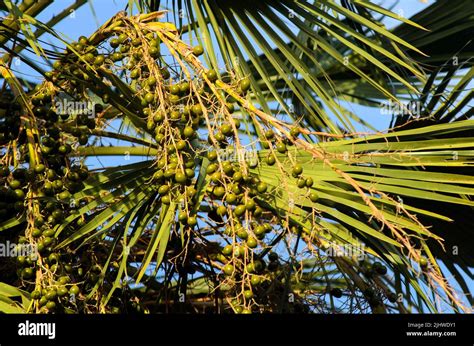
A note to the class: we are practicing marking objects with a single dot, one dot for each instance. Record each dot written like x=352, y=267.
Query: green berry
x=192, y=221
x=51, y=305
x=255, y=280
x=237, y=176
x=228, y=269
x=211, y=168
x=297, y=170
x=51, y=295
x=180, y=177
x=181, y=144
x=39, y=168
x=134, y=74
x=227, y=250
x=188, y=132
x=423, y=262
x=313, y=196
x=270, y=160
x=301, y=183
x=250, y=204
x=231, y=198
x=226, y=129
x=219, y=191
x=163, y=189
x=99, y=60
x=295, y=131
x=245, y=84
x=252, y=243
x=174, y=89
x=269, y=134
x=281, y=147
x=221, y=210
x=74, y=289
x=151, y=81
x=262, y=187
x=62, y=291
x=248, y=294
x=27, y=273
x=19, y=194
x=240, y=210
x=212, y=155
x=154, y=52
x=273, y=256
x=196, y=110
x=14, y=184
x=36, y=295
x=182, y=216
x=242, y=234
x=230, y=107
x=184, y=87
x=198, y=50
x=64, y=196
x=211, y=75
x=149, y=97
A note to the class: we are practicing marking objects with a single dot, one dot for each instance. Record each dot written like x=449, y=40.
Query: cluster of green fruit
x=49, y=299
x=246, y=227
x=42, y=180
x=172, y=109
x=60, y=273
x=174, y=120
x=9, y=122
x=12, y=190
x=174, y=132
x=279, y=144
x=372, y=271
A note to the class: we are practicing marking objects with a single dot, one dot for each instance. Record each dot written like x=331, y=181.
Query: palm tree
x=237, y=178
